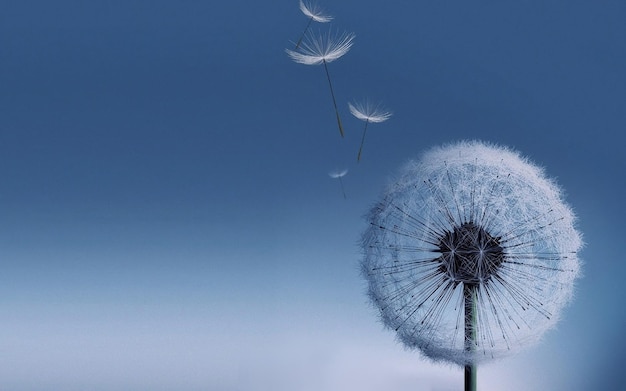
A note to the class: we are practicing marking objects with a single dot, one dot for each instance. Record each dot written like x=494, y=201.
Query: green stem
x=469, y=296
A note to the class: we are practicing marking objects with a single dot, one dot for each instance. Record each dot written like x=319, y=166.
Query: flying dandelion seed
x=322, y=49
x=368, y=112
x=471, y=254
x=315, y=14
x=339, y=175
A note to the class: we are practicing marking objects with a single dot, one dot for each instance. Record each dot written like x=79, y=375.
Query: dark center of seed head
x=469, y=254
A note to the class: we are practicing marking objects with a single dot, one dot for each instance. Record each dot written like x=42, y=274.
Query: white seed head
x=338, y=173
x=470, y=217
x=367, y=111
x=318, y=48
x=314, y=12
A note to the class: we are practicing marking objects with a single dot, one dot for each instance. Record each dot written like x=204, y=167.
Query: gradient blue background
x=167, y=221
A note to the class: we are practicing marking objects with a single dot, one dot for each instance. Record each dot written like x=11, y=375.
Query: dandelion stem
x=332, y=93
x=342, y=188
x=304, y=32
x=469, y=295
x=358, y=158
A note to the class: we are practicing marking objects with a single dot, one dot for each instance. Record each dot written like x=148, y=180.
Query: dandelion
x=471, y=254
x=315, y=14
x=322, y=49
x=369, y=113
x=338, y=175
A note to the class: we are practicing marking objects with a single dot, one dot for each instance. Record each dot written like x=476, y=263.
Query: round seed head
x=470, y=221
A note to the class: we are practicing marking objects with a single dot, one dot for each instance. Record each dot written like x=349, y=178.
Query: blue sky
x=167, y=218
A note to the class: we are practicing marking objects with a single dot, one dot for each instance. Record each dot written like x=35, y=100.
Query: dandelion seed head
x=313, y=11
x=322, y=47
x=338, y=173
x=367, y=111
x=471, y=216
